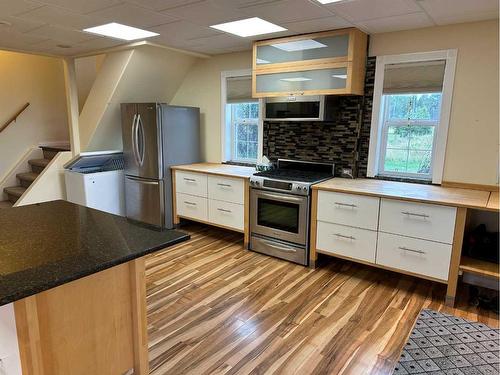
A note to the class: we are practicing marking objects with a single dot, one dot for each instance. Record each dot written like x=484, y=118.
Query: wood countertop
x=217, y=169
x=411, y=192
x=493, y=203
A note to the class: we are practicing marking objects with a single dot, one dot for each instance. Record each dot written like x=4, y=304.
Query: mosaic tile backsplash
x=344, y=141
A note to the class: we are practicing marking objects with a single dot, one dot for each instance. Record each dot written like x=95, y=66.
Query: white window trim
x=441, y=136
x=226, y=151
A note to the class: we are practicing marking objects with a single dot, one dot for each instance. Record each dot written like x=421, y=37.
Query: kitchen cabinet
x=213, y=194
x=330, y=62
x=407, y=236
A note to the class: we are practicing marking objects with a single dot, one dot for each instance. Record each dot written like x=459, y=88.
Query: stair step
x=50, y=151
x=5, y=204
x=14, y=192
x=26, y=179
x=37, y=165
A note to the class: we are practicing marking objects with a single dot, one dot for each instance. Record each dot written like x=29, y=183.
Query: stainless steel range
x=280, y=208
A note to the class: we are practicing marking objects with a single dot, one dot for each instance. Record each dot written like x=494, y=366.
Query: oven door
x=280, y=216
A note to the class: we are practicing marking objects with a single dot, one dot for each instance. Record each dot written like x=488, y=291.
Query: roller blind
x=414, y=77
x=239, y=90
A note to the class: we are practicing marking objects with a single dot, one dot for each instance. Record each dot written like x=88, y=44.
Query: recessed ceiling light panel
x=329, y=1
x=119, y=31
x=340, y=76
x=299, y=45
x=249, y=27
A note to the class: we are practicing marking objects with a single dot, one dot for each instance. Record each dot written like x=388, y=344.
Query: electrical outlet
x=347, y=172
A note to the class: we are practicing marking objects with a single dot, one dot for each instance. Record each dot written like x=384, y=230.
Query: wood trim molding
x=28, y=334
x=456, y=254
x=466, y=185
x=139, y=316
x=313, y=257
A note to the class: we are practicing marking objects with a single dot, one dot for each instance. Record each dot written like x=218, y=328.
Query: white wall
x=86, y=72
x=472, y=150
x=40, y=81
x=201, y=88
x=149, y=74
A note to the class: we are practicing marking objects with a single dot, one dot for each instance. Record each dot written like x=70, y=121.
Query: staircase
x=27, y=178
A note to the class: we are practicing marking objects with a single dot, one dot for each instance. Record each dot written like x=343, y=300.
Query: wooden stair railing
x=14, y=118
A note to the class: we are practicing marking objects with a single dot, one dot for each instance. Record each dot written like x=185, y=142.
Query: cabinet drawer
x=227, y=214
x=348, y=209
x=226, y=189
x=192, y=206
x=191, y=183
x=426, y=221
x=413, y=255
x=347, y=241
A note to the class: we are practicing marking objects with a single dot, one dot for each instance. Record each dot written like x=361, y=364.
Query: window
x=244, y=119
x=409, y=129
x=241, y=122
x=411, y=110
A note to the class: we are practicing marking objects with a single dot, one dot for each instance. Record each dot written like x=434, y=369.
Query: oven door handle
x=283, y=248
x=282, y=197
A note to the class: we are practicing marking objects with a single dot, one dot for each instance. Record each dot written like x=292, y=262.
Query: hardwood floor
x=215, y=308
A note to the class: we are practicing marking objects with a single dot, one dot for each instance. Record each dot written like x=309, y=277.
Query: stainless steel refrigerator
x=155, y=137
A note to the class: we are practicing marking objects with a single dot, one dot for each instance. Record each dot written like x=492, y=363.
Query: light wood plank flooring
x=214, y=308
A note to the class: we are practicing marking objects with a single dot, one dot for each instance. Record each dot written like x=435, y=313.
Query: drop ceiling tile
x=388, y=24
x=13, y=7
x=287, y=11
x=361, y=10
x=455, y=11
x=182, y=30
x=237, y=4
x=223, y=41
x=133, y=15
x=19, y=24
x=54, y=15
x=61, y=34
x=319, y=24
x=17, y=40
x=101, y=43
x=82, y=6
x=162, y=4
x=205, y=13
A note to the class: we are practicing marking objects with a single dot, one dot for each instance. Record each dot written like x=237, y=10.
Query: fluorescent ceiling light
x=329, y=1
x=119, y=31
x=341, y=76
x=262, y=61
x=249, y=27
x=299, y=45
x=296, y=79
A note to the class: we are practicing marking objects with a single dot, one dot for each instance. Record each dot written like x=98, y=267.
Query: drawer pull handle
x=411, y=250
x=223, y=210
x=190, y=203
x=414, y=214
x=346, y=204
x=224, y=185
x=343, y=236
x=189, y=179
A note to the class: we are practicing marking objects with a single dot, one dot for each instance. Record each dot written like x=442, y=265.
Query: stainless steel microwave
x=295, y=108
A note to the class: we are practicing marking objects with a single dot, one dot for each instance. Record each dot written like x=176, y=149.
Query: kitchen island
x=72, y=290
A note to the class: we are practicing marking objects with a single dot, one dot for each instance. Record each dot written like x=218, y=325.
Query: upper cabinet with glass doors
x=331, y=62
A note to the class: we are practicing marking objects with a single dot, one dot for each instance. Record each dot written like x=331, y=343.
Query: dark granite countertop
x=49, y=244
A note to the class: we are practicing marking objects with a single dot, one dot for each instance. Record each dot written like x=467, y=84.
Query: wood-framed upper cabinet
x=331, y=62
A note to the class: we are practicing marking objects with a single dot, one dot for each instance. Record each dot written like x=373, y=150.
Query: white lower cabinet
x=226, y=214
x=417, y=256
x=346, y=241
x=10, y=361
x=192, y=206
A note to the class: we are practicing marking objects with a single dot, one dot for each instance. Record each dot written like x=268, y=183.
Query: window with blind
x=410, y=115
x=242, y=120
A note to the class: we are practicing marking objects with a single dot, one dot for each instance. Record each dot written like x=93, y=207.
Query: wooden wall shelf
x=479, y=267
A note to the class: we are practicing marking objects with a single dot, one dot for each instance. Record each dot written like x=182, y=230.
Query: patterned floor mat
x=442, y=344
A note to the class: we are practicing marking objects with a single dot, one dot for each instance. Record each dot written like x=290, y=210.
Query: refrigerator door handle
x=140, y=131
x=142, y=181
x=134, y=138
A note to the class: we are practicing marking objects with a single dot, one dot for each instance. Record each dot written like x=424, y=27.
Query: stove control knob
x=257, y=183
x=304, y=188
